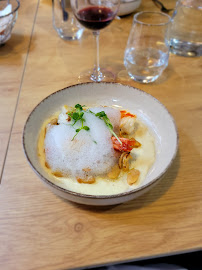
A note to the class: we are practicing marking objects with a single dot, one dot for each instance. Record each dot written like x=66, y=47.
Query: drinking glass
x=8, y=17
x=64, y=21
x=186, y=28
x=147, y=50
x=96, y=15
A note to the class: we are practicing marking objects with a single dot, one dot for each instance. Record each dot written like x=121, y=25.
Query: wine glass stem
x=97, y=74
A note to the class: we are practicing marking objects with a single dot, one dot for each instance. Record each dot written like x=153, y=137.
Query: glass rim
x=152, y=12
x=13, y=11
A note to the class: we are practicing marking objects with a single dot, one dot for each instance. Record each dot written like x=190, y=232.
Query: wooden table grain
x=13, y=57
x=39, y=230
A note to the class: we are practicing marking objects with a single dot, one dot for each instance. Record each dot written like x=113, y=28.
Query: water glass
x=64, y=22
x=186, y=28
x=147, y=50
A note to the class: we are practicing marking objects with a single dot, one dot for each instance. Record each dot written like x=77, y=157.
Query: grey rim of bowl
x=123, y=194
x=13, y=11
x=151, y=12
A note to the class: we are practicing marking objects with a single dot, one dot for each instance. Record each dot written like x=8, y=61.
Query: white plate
x=145, y=106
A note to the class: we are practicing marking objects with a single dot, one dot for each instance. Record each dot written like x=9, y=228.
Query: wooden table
x=39, y=230
x=13, y=58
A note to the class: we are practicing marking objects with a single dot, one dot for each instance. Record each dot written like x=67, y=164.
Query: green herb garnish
x=77, y=115
x=102, y=115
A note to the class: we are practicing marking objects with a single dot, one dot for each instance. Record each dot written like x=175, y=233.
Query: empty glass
x=147, y=50
x=186, y=28
x=64, y=21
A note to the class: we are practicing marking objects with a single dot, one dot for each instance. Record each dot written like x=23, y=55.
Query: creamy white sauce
x=143, y=159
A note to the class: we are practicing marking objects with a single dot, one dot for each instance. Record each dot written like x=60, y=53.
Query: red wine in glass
x=96, y=15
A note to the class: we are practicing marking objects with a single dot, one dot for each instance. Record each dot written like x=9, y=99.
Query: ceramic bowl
x=8, y=17
x=128, y=6
x=145, y=106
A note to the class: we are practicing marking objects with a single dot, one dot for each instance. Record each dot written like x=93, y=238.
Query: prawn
x=127, y=124
x=127, y=144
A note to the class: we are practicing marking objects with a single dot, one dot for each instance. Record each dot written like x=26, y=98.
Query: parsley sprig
x=102, y=115
x=77, y=115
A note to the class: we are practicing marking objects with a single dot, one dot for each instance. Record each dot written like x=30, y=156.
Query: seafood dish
x=99, y=150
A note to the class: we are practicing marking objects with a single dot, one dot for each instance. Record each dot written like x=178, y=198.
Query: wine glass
x=96, y=15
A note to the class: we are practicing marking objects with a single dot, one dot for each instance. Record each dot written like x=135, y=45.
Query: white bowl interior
x=146, y=107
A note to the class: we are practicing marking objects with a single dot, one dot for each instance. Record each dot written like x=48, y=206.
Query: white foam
x=114, y=115
x=62, y=119
x=91, y=149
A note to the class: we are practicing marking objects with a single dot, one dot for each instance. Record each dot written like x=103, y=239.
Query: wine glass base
x=103, y=76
